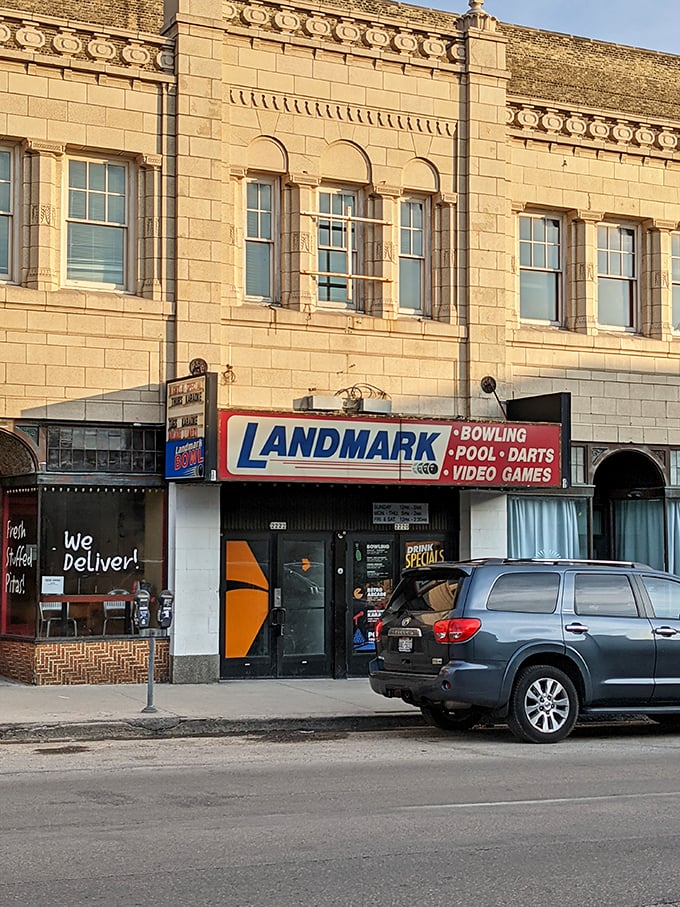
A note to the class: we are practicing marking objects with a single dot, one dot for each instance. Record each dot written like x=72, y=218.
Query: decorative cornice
x=592, y=129
x=351, y=32
x=71, y=45
x=663, y=226
x=40, y=146
x=347, y=113
x=150, y=161
x=382, y=190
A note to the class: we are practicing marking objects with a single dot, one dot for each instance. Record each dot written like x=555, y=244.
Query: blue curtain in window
x=543, y=527
x=673, y=517
x=638, y=532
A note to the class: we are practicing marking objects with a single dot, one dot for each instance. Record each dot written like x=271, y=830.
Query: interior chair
x=114, y=609
x=51, y=613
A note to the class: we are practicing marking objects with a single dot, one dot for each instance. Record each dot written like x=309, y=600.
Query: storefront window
x=547, y=527
x=372, y=584
x=638, y=532
x=673, y=523
x=20, y=563
x=97, y=541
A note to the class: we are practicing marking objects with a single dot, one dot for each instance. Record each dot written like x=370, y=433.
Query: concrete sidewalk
x=98, y=712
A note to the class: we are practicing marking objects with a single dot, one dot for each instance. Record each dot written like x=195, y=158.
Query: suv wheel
x=543, y=705
x=454, y=720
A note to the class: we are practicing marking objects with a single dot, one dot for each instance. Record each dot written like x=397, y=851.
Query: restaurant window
x=540, y=261
x=96, y=540
x=18, y=593
x=547, y=527
x=616, y=276
x=97, y=235
x=105, y=448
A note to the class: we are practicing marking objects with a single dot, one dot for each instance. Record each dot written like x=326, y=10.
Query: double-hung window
x=616, y=276
x=6, y=208
x=675, y=279
x=97, y=240
x=412, y=256
x=337, y=241
x=261, y=234
x=540, y=264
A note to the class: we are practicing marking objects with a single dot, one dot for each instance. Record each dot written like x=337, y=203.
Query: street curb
x=168, y=727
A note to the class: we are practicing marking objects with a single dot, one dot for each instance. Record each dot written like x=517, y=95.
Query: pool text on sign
x=473, y=454
x=501, y=455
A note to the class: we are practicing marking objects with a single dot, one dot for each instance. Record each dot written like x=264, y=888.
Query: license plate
x=405, y=644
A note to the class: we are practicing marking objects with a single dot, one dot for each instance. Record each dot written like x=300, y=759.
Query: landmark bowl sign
x=313, y=448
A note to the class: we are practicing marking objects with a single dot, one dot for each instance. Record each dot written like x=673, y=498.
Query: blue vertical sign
x=185, y=428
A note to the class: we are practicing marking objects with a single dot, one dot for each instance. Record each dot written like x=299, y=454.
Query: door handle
x=577, y=627
x=666, y=631
x=278, y=619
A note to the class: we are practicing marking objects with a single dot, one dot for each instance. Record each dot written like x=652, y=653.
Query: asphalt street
x=295, y=817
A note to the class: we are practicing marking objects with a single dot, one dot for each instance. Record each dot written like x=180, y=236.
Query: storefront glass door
x=374, y=566
x=276, y=606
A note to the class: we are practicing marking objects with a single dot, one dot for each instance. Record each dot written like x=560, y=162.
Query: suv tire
x=454, y=720
x=543, y=706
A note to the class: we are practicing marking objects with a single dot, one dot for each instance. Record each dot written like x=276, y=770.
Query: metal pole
x=150, y=707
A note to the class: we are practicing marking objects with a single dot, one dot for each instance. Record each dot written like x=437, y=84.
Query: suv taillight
x=377, y=630
x=457, y=629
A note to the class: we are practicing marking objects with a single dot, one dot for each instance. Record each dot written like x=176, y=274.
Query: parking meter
x=142, y=614
x=165, y=601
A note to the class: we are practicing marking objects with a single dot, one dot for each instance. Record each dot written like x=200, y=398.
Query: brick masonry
x=91, y=662
x=133, y=15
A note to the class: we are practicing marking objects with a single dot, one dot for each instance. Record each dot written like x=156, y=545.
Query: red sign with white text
x=315, y=448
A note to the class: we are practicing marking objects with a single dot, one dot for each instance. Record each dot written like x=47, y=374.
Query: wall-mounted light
x=198, y=367
x=488, y=385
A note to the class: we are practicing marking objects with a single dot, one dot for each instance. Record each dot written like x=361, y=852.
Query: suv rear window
x=431, y=595
x=604, y=595
x=535, y=593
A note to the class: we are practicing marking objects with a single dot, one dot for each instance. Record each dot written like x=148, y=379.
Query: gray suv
x=535, y=643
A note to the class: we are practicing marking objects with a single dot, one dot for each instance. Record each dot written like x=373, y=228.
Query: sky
x=653, y=25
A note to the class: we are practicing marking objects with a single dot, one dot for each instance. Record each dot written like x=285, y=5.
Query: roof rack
x=574, y=560
x=547, y=561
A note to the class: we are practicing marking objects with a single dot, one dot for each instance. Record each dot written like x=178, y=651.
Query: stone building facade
x=351, y=215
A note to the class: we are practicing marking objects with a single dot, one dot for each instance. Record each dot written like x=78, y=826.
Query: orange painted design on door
x=247, y=607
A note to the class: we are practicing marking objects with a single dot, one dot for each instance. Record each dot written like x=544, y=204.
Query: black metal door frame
x=268, y=655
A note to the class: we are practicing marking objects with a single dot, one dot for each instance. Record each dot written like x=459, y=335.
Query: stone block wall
x=71, y=352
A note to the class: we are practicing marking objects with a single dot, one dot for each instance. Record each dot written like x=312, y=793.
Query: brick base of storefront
x=87, y=661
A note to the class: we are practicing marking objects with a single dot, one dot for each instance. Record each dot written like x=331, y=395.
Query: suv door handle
x=666, y=631
x=577, y=628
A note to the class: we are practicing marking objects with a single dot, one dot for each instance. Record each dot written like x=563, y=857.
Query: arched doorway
x=16, y=458
x=628, y=509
